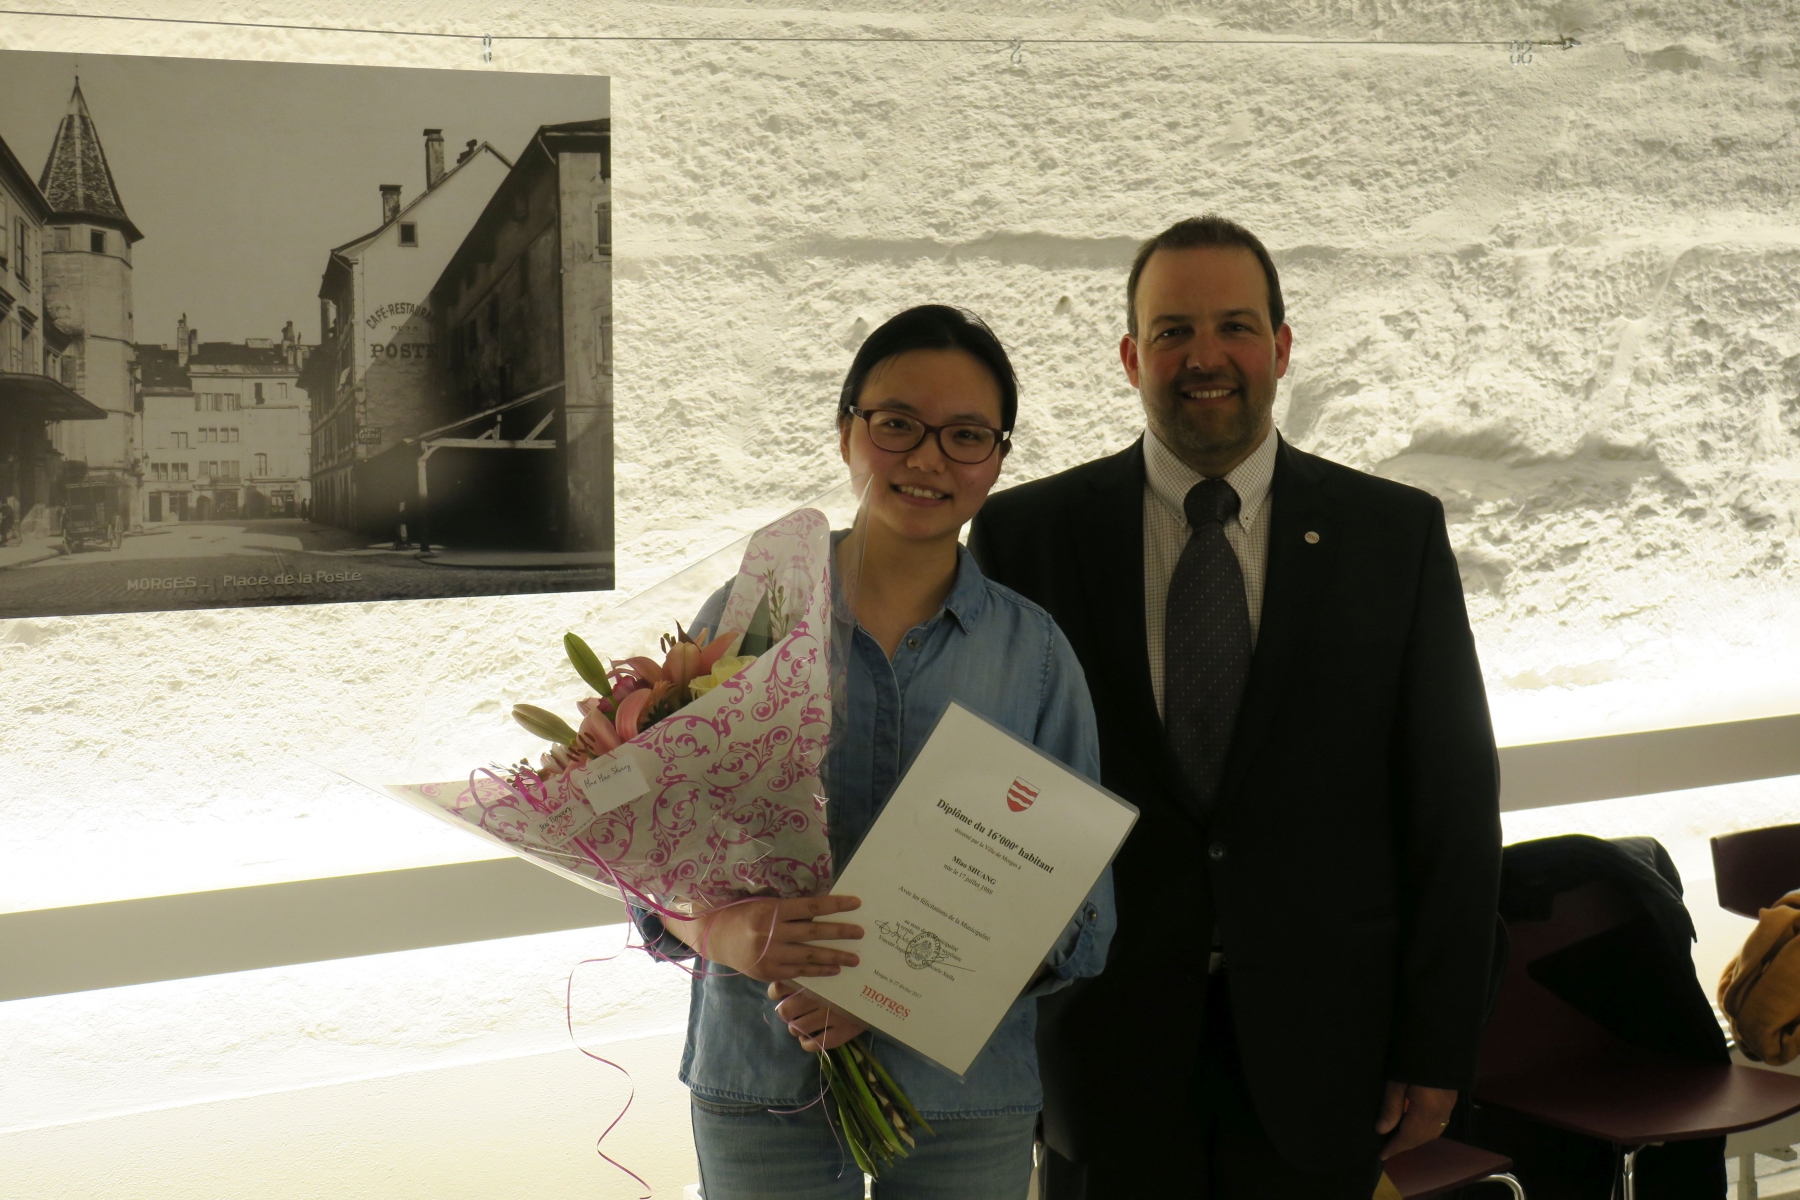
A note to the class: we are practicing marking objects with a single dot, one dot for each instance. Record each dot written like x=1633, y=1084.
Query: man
x=1287, y=688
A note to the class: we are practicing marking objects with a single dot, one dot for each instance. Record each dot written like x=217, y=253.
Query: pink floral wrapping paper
x=719, y=801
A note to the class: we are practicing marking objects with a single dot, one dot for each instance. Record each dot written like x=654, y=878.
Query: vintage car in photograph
x=92, y=516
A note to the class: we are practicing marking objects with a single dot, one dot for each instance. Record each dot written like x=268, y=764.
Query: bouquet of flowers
x=693, y=781
x=696, y=781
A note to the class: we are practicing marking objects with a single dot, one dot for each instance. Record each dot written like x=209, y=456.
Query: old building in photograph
x=175, y=432
x=226, y=428
x=520, y=454
x=87, y=293
x=36, y=372
x=370, y=382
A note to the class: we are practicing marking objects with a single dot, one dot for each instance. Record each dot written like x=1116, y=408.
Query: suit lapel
x=1109, y=548
x=1299, y=567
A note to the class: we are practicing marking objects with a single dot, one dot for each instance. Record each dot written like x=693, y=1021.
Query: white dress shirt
x=1167, y=481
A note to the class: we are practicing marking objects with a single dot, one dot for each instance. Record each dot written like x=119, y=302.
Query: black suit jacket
x=1351, y=861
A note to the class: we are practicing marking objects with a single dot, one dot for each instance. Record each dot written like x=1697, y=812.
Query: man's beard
x=1204, y=435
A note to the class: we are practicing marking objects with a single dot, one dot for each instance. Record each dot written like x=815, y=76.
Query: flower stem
x=874, y=1113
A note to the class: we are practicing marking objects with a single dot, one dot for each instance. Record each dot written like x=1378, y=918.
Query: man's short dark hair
x=1210, y=230
x=933, y=327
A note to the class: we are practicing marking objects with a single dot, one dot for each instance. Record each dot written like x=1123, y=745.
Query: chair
x=1444, y=1165
x=1546, y=1061
x=1752, y=870
x=1755, y=868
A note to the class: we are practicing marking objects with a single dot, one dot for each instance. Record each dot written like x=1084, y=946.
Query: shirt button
x=1092, y=913
x=1216, y=851
x=912, y=643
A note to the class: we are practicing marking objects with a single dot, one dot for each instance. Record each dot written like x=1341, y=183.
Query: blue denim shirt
x=996, y=653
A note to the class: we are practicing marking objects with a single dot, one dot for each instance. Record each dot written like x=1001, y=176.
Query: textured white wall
x=1560, y=295
x=1563, y=296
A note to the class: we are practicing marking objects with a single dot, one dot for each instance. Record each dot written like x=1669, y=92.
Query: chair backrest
x=1531, y=1026
x=1755, y=868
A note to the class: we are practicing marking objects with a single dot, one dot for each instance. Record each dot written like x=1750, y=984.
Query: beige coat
x=1760, y=990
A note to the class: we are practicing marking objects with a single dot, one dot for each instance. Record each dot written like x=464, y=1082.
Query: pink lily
x=558, y=759
x=682, y=663
x=623, y=686
x=598, y=734
x=631, y=710
x=645, y=669
x=713, y=651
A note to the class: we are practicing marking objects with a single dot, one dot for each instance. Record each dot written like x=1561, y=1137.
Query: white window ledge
x=81, y=948
x=55, y=950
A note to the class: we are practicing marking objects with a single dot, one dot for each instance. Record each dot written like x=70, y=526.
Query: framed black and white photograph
x=278, y=333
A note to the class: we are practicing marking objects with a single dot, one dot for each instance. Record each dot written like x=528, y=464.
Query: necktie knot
x=1211, y=501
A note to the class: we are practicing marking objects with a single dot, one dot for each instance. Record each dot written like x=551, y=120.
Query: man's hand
x=817, y=1024
x=1413, y=1114
x=771, y=939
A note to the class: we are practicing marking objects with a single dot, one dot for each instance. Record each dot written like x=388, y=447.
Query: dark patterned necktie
x=1206, y=642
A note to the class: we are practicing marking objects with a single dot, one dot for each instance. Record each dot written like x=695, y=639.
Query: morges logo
x=1020, y=795
x=894, y=1006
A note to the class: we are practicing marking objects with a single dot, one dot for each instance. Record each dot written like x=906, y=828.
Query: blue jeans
x=749, y=1153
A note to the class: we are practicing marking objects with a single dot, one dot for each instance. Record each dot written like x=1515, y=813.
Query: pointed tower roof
x=76, y=180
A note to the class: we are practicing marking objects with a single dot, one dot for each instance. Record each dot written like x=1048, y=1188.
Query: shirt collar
x=968, y=595
x=1171, y=479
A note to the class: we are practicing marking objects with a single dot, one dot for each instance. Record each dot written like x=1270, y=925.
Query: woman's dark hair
x=933, y=327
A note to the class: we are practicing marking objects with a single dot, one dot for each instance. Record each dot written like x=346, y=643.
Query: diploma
x=969, y=875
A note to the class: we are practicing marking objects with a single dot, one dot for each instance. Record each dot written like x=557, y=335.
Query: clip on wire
x=487, y=48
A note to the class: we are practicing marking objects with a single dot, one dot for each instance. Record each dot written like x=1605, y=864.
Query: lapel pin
x=1312, y=539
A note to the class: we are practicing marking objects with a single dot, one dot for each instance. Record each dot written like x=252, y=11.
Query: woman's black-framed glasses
x=961, y=442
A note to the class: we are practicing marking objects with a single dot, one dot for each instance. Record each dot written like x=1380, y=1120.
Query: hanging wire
x=1013, y=44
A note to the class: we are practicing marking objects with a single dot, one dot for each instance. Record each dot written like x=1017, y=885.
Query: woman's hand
x=817, y=1024
x=739, y=936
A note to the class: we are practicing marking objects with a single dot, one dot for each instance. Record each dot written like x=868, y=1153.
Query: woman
x=923, y=420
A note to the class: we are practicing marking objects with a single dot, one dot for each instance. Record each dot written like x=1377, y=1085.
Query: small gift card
x=617, y=778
